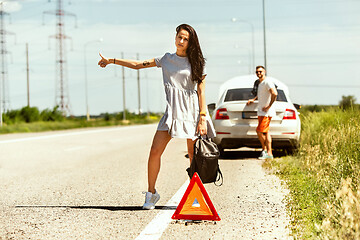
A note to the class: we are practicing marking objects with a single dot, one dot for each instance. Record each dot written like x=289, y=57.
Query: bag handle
x=203, y=136
x=218, y=178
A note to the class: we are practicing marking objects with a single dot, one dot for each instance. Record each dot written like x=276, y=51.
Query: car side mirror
x=297, y=106
x=211, y=107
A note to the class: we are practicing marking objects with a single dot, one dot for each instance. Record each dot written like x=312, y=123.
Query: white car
x=235, y=122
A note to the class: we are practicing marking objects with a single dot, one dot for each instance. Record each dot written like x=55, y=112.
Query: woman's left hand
x=202, y=126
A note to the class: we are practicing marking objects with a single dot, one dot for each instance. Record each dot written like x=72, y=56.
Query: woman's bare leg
x=190, y=147
x=160, y=141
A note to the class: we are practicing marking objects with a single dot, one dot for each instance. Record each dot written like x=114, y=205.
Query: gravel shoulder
x=251, y=205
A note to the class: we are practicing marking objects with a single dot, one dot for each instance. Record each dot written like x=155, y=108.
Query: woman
x=186, y=112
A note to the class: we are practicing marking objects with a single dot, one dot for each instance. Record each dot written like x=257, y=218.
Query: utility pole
x=138, y=81
x=123, y=78
x=61, y=90
x=27, y=75
x=86, y=81
x=3, y=52
x=4, y=85
x=264, y=29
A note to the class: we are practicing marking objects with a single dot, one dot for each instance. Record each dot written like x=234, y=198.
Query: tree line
x=32, y=114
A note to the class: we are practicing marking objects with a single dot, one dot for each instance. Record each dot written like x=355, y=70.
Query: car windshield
x=244, y=94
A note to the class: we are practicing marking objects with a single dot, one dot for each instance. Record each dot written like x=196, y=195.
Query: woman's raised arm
x=134, y=64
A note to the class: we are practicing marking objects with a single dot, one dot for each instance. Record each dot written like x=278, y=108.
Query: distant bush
x=12, y=116
x=128, y=115
x=317, y=108
x=107, y=116
x=32, y=114
x=26, y=114
x=52, y=115
x=347, y=102
x=313, y=108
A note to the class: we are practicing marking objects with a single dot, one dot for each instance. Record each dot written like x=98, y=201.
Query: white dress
x=182, y=103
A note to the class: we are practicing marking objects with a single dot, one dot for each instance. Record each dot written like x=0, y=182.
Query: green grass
x=41, y=126
x=304, y=203
x=328, y=155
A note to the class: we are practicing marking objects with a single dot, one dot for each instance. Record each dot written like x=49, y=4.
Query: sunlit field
x=323, y=176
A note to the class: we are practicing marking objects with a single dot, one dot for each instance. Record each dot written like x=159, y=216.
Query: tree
x=52, y=115
x=347, y=102
x=30, y=114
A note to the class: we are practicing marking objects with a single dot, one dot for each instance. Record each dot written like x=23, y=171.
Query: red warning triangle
x=196, y=204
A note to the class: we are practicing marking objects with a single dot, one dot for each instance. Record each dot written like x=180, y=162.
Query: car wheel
x=290, y=150
x=221, y=150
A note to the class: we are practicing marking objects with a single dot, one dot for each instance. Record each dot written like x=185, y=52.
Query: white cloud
x=12, y=6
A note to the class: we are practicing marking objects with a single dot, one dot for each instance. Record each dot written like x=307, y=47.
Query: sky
x=312, y=46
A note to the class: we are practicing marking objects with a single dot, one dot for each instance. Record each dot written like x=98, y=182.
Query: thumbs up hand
x=103, y=61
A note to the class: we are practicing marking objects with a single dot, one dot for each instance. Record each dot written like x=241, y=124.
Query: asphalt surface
x=88, y=183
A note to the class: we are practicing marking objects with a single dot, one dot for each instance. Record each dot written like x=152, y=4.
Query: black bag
x=254, y=91
x=205, y=161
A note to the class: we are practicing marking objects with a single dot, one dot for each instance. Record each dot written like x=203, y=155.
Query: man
x=266, y=95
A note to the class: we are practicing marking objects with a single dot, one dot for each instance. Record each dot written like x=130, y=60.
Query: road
x=88, y=184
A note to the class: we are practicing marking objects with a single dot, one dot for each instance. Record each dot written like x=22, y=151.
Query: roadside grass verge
x=41, y=126
x=324, y=175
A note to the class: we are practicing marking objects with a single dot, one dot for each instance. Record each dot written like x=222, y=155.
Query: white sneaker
x=150, y=200
x=263, y=155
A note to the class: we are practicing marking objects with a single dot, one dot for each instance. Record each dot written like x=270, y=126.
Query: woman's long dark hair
x=194, y=53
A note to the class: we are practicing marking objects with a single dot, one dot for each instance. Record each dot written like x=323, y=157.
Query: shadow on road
x=109, y=208
x=238, y=155
x=245, y=154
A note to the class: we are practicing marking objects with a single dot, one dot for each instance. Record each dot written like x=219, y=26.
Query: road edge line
x=157, y=226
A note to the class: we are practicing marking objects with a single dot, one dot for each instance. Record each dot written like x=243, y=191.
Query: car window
x=281, y=96
x=244, y=94
x=238, y=94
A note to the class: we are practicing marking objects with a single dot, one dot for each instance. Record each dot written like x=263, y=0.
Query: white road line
x=68, y=134
x=157, y=226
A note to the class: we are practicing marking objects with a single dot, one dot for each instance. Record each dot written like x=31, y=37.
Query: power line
x=322, y=86
x=29, y=14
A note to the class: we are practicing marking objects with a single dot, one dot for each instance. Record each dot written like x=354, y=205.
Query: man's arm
x=274, y=94
x=251, y=100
